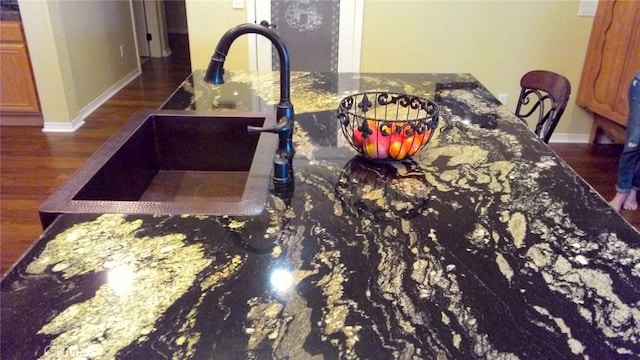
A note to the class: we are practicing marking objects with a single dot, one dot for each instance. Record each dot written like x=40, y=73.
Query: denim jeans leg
x=636, y=178
x=629, y=166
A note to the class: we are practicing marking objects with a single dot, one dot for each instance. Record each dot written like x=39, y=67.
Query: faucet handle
x=266, y=24
x=283, y=127
x=282, y=164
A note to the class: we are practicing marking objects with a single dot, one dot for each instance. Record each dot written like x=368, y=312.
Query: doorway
x=140, y=19
x=161, y=27
x=321, y=35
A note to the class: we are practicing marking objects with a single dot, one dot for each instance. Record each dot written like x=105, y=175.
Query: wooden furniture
x=613, y=57
x=19, y=103
x=543, y=97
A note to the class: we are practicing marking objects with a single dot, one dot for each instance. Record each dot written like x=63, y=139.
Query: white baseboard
x=569, y=138
x=166, y=52
x=78, y=121
x=59, y=126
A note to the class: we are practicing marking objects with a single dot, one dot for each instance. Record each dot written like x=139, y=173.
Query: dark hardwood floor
x=33, y=163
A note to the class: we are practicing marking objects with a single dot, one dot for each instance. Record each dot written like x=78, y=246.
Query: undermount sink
x=174, y=162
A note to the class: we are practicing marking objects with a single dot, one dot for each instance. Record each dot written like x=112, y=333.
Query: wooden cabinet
x=613, y=58
x=19, y=103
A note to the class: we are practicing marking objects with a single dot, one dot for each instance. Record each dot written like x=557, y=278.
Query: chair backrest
x=543, y=97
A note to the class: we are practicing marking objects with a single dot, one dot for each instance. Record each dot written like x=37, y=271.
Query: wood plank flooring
x=598, y=165
x=33, y=163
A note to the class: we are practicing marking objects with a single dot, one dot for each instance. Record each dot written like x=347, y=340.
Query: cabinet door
x=612, y=60
x=18, y=94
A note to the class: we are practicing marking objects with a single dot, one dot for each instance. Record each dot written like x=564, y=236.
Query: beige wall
x=208, y=20
x=75, y=52
x=496, y=41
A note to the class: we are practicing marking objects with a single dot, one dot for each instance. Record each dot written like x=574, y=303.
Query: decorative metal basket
x=387, y=126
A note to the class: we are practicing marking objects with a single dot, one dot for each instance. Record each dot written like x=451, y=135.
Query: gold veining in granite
x=267, y=321
x=222, y=273
x=337, y=209
x=285, y=319
x=186, y=337
x=479, y=105
x=335, y=328
x=517, y=226
x=435, y=280
x=74, y=241
x=575, y=345
x=390, y=283
x=277, y=251
x=504, y=266
x=591, y=290
x=480, y=237
x=158, y=270
x=376, y=81
x=468, y=168
x=337, y=307
x=236, y=224
x=565, y=275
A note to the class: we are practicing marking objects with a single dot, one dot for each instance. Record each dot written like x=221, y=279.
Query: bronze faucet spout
x=283, y=166
x=215, y=71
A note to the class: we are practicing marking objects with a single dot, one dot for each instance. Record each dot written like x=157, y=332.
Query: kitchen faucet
x=284, y=110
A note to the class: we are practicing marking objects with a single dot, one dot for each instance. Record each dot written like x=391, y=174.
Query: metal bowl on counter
x=387, y=126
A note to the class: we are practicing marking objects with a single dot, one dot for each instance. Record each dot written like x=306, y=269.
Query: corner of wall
x=39, y=20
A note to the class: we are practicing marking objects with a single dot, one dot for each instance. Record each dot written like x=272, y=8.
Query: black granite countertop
x=485, y=245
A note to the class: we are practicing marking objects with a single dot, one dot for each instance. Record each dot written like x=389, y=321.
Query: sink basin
x=174, y=162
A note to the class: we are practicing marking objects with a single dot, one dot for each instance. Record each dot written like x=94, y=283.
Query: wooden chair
x=543, y=97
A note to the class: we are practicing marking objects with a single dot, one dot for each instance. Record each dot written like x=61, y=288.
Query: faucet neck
x=215, y=70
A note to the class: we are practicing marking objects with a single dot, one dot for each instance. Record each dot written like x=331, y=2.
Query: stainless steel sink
x=174, y=162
